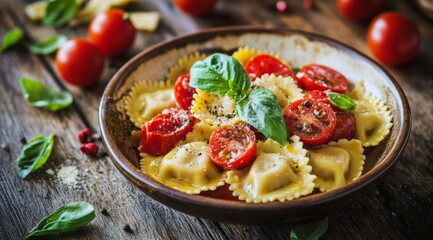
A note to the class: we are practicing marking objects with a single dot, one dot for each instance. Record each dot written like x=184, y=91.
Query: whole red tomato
x=79, y=62
x=195, y=7
x=112, y=32
x=360, y=10
x=393, y=39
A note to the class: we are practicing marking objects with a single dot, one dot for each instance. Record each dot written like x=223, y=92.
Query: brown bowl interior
x=116, y=130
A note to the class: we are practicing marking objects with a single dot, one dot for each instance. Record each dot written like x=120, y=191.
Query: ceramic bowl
x=154, y=63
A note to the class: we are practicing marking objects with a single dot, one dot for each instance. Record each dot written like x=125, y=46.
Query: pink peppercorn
x=90, y=149
x=281, y=6
x=85, y=135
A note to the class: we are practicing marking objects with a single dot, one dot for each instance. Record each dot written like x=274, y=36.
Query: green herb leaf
x=34, y=154
x=310, y=231
x=261, y=109
x=296, y=69
x=48, y=45
x=11, y=38
x=58, y=12
x=65, y=219
x=341, y=101
x=39, y=95
x=220, y=74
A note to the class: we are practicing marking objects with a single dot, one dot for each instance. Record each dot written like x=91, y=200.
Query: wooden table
x=400, y=207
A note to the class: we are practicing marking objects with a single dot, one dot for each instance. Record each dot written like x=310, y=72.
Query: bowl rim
x=364, y=181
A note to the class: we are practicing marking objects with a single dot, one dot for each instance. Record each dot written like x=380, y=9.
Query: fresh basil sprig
x=11, y=38
x=58, y=12
x=261, y=109
x=34, y=154
x=65, y=219
x=49, y=45
x=222, y=74
x=310, y=231
x=341, y=101
x=39, y=95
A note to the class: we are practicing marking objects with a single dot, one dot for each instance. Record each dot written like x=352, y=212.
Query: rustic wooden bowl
x=154, y=63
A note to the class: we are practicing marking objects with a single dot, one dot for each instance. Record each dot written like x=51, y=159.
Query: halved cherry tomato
x=112, y=32
x=222, y=192
x=311, y=120
x=232, y=147
x=264, y=63
x=319, y=77
x=345, y=126
x=318, y=95
x=195, y=7
x=79, y=62
x=160, y=135
x=183, y=92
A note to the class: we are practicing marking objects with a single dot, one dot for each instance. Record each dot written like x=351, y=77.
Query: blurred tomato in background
x=195, y=7
x=360, y=10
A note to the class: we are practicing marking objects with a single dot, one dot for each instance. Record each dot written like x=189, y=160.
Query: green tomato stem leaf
x=11, y=38
x=39, y=95
x=310, y=231
x=34, y=154
x=341, y=101
x=220, y=74
x=65, y=219
x=58, y=12
x=49, y=45
x=261, y=109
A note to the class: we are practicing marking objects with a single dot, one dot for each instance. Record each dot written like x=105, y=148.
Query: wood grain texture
x=400, y=207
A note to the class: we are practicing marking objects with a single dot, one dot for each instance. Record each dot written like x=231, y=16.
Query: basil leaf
x=58, y=12
x=261, y=109
x=66, y=218
x=296, y=69
x=11, y=38
x=310, y=231
x=39, y=95
x=48, y=45
x=220, y=74
x=341, y=101
x=34, y=154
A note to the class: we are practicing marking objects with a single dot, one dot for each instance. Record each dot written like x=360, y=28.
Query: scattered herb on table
x=341, y=101
x=222, y=74
x=65, y=219
x=39, y=95
x=59, y=12
x=11, y=38
x=34, y=154
x=49, y=45
x=310, y=231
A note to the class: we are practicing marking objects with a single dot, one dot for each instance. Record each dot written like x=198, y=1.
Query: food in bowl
x=235, y=130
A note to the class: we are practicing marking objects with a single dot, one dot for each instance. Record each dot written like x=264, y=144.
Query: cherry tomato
x=232, y=147
x=345, y=126
x=112, y=32
x=360, y=10
x=264, y=63
x=195, y=7
x=160, y=135
x=393, y=39
x=183, y=92
x=311, y=120
x=79, y=62
x=319, y=77
x=222, y=192
x=318, y=95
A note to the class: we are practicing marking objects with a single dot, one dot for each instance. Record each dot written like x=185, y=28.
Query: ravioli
x=183, y=66
x=278, y=173
x=337, y=163
x=215, y=110
x=186, y=168
x=284, y=88
x=147, y=99
x=373, y=120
